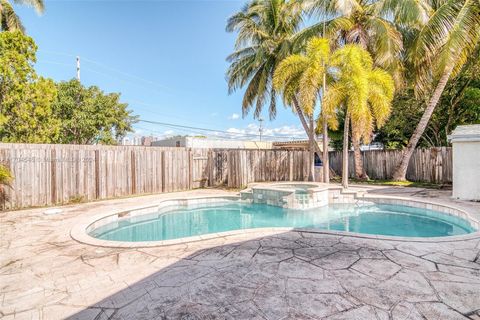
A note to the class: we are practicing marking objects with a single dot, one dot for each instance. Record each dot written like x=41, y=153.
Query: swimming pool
x=373, y=219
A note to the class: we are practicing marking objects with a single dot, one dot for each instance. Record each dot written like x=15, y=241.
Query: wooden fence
x=55, y=174
x=427, y=165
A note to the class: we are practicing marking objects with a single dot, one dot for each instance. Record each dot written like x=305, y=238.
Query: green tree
x=88, y=115
x=375, y=25
x=301, y=79
x=459, y=104
x=25, y=98
x=364, y=92
x=440, y=50
x=9, y=20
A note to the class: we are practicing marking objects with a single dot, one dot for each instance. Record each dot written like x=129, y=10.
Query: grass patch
x=401, y=183
x=417, y=184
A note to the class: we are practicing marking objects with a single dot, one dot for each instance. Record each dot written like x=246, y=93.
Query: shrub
x=5, y=181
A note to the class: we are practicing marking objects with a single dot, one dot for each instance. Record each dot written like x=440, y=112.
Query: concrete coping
x=80, y=232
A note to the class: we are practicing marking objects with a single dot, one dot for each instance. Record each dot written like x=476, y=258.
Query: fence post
x=190, y=168
x=290, y=165
x=53, y=180
x=210, y=167
x=134, y=176
x=97, y=174
x=162, y=162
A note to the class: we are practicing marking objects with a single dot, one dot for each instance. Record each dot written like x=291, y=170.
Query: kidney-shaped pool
x=373, y=219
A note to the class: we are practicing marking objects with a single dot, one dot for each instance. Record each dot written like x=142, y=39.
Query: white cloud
x=234, y=116
x=169, y=132
x=251, y=132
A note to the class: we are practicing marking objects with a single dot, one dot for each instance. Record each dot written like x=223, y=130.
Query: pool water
x=390, y=220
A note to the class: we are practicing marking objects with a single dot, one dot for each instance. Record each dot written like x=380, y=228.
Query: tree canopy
x=87, y=115
x=36, y=110
x=459, y=105
x=25, y=98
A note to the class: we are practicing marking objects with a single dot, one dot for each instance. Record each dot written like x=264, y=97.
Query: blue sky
x=167, y=58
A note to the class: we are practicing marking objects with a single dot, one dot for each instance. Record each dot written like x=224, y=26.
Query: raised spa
x=194, y=220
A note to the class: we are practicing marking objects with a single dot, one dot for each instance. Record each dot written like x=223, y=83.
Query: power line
x=160, y=86
x=212, y=137
x=172, y=125
x=187, y=133
x=168, y=125
x=142, y=106
x=137, y=103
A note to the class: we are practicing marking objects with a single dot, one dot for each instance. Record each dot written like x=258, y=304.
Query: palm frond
x=38, y=5
x=411, y=13
x=310, y=84
x=9, y=21
x=327, y=29
x=290, y=67
x=429, y=42
x=251, y=92
x=331, y=102
x=264, y=32
x=462, y=38
x=386, y=42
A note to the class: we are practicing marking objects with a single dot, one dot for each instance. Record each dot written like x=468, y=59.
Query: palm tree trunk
x=326, y=163
x=311, y=151
x=401, y=170
x=345, y=152
x=325, y=158
x=357, y=153
x=311, y=136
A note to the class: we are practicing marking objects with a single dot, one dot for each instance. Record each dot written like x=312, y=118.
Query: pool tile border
x=80, y=231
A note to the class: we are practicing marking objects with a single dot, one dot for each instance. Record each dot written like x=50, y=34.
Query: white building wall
x=466, y=170
x=171, y=142
x=202, y=143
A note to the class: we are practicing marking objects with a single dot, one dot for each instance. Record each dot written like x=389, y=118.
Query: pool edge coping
x=79, y=232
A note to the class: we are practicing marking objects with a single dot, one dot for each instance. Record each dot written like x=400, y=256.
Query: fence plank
x=55, y=174
x=432, y=165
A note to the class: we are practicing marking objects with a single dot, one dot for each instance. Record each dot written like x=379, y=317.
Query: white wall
x=171, y=142
x=466, y=170
x=193, y=142
x=207, y=143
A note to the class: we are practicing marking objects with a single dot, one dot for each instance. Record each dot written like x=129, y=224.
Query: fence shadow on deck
x=286, y=275
x=244, y=279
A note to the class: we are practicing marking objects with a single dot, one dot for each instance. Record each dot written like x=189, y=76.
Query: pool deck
x=45, y=274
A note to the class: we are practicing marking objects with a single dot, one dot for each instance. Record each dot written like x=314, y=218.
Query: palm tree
x=265, y=30
x=301, y=80
x=440, y=50
x=9, y=20
x=375, y=25
x=364, y=91
x=266, y=35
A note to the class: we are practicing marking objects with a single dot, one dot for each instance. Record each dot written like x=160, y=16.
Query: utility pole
x=260, y=128
x=78, y=68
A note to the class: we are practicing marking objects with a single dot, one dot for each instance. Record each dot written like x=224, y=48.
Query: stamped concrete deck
x=44, y=274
